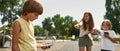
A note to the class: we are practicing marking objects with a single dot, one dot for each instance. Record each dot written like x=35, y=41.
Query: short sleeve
x=113, y=34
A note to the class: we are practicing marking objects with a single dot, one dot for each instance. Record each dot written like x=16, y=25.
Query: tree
x=113, y=13
x=73, y=30
x=58, y=23
x=60, y=26
x=10, y=10
x=38, y=30
x=47, y=24
x=67, y=24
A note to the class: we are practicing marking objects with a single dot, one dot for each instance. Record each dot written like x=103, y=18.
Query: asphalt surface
x=65, y=45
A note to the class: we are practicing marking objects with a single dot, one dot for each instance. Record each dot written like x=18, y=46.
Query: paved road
x=70, y=46
x=67, y=46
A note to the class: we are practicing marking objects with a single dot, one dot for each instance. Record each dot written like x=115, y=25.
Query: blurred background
x=57, y=21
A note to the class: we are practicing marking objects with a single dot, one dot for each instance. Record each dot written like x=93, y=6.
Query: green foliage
x=10, y=10
x=38, y=30
x=118, y=39
x=60, y=26
x=95, y=39
x=6, y=30
x=113, y=13
x=73, y=30
x=64, y=37
x=47, y=24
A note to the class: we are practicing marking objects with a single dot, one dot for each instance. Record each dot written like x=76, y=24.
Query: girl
x=86, y=27
x=108, y=36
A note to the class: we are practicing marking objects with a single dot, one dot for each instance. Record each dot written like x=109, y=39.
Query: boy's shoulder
x=111, y=30
x=108, y=30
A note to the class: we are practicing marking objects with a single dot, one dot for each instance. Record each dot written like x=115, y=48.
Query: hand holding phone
x=106, y=34
x=46, y=46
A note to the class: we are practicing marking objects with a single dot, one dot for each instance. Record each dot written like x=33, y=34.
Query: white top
x=83, y=32
x=106, y=43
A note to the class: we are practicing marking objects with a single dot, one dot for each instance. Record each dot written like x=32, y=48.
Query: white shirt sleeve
x=113, y=34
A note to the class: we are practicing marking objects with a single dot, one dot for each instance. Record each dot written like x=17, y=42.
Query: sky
x=74, y=8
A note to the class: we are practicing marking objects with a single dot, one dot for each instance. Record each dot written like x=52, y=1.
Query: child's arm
x=42, y=46
x=15, y=37
x=113, y=39
x=110, y=38
x=95, y=31
x=77, y=26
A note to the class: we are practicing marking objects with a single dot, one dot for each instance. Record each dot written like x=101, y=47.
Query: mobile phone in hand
x=106, y=33
x=49, y=44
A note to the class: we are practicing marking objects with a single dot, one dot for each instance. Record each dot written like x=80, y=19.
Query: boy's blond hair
x=109, y=24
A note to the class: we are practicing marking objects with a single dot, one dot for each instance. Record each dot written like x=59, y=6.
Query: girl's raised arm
x=78, y=25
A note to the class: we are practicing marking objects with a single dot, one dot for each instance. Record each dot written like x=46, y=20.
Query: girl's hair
x=90, y=24
x=108, y=22
x=32, y=6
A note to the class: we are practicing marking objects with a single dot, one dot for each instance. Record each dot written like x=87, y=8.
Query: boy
x=23, y=30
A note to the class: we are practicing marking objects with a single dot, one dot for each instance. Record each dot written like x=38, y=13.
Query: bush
x=95, y=39
x=118, y=40
x=64, y=37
